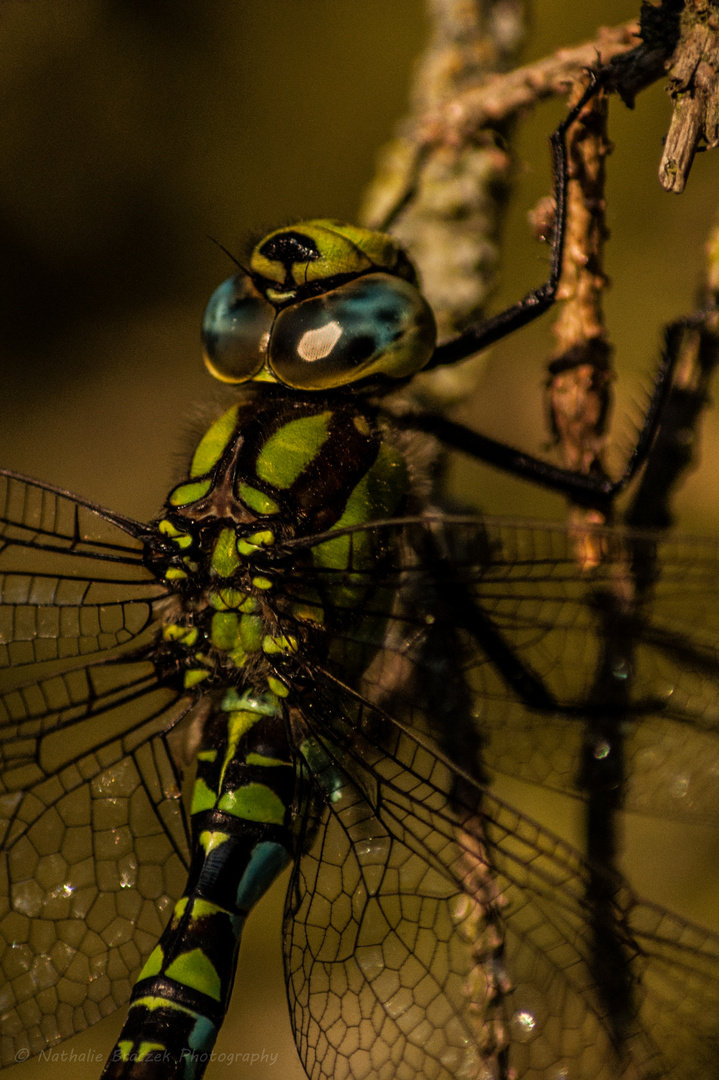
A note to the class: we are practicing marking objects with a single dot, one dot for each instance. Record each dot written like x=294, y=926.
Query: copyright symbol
x=22, y=1055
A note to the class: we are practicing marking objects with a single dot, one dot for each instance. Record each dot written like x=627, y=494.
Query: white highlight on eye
x=319, y=343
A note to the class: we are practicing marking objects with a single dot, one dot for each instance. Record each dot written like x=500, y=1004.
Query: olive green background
x=131, y=131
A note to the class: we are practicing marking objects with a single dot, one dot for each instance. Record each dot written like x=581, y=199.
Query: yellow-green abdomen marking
x=243, y=788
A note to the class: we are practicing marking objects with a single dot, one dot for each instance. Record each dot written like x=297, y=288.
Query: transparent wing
x=432, y=931
x=559, y=619
x=541, y=610
x=92, y=831
x=72, y=578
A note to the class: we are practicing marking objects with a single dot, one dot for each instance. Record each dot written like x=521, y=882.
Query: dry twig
x=578, y=388
x=501, y=96
x=694, y=89
x=444, y=203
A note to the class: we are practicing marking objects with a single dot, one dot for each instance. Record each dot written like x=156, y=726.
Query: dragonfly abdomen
x=241, y=813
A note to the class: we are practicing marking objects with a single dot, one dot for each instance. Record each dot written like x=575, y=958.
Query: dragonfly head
x=323, y=305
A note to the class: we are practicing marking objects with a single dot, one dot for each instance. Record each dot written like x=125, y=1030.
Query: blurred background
x=133, y=131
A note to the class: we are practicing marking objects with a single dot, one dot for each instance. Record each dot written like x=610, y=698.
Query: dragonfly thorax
x=269, y=471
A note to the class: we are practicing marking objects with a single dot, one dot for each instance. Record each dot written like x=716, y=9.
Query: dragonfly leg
x=539, y=300
x=583, y=488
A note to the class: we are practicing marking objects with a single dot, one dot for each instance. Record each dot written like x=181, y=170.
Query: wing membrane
x=448, y=926
x=538, y=617
x=93, y=833
x=40, y=516
x=72, y=580
x=93, y=860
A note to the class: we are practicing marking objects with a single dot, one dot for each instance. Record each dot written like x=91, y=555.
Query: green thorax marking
x=291, y=449
x=296, y=458
x=378, y=495
x=225, y=558
x=214, y=443
x=189, y=493
x=256, y=500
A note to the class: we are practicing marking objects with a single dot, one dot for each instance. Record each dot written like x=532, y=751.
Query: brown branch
x=578, y=388
x=694, y=89
x=580, y=375
x=437, y=186
x=501, y=96
x=444, y=203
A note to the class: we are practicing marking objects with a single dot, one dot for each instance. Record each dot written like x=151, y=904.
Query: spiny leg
x=539, y=300
x=583, y=488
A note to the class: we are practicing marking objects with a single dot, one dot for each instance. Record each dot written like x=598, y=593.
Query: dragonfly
x=306, y=662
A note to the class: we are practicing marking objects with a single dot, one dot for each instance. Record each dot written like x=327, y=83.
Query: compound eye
x=236, y=329
x=375, y=324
